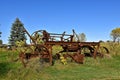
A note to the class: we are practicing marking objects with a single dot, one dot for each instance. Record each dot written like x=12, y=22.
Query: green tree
x=115, y=34
x=0, y=34
x=1, y=42
x=17, y=33
x=82, y=37
x=0, y=39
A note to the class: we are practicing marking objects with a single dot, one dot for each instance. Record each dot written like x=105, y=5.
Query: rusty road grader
x=75, y=50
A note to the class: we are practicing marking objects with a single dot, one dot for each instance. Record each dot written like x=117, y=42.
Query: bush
x=1, y=42
x=113, y=47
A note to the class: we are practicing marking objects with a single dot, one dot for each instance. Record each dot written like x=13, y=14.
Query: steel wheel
x=44, y=54
x=102, y=51
x=37, y=37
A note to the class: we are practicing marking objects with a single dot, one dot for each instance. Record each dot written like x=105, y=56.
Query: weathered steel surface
x=66, y=42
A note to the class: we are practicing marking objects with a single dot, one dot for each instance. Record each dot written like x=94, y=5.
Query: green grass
x=99, y=69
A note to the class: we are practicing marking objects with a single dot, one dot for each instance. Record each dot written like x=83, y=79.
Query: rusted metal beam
x=69, y=43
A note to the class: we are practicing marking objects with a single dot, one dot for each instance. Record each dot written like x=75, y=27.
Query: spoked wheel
x=37, y=37
x=102, y=51
x=44, y=54
x=87, y=51
x=26, y=55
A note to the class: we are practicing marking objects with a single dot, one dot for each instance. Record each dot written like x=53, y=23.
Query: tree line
x=17, y=34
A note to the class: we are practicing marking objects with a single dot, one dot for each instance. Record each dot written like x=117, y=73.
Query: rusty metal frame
x=49, y=42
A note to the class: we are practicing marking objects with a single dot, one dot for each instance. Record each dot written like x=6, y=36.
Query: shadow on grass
x=4, y=68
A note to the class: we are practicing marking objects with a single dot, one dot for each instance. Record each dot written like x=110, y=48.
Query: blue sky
x=95, y=18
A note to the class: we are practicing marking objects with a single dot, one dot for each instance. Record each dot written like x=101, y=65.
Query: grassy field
x=99, y=69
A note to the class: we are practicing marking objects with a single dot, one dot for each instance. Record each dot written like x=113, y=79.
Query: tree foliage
x=0, y=34
x=17, y=33
x=1, y=42
x=82, y=37
x=115, y=34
